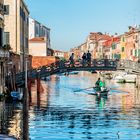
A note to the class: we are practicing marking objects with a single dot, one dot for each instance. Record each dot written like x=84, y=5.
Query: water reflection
x=71, y=115
x=62, y=114
x=11, y=119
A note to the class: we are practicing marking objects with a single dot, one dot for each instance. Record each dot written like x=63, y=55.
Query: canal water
x=62, y=114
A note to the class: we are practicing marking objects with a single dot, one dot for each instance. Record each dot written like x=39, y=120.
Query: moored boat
x=16, y=96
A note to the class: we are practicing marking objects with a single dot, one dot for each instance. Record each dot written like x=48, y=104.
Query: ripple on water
x=80, y=116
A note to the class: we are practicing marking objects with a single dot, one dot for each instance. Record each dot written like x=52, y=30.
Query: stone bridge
x=62, y=67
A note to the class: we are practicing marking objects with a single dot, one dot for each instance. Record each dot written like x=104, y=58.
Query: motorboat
x=125, y=78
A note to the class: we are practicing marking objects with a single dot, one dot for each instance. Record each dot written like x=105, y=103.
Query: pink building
x=131, y=44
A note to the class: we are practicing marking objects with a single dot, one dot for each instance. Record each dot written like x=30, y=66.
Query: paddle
x=83, y=89
x=120, y=90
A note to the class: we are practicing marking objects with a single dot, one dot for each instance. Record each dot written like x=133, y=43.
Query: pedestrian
x=89, y=58
x=71, y=59
x=84, y=57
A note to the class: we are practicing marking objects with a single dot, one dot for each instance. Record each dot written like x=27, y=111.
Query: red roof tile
x=99, y=36
x=38, y=39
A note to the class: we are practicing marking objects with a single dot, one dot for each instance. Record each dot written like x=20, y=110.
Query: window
x=1, y=32
x=135, y=52
x=131, y=52
x=113, y=47
x=26, y=42
x=22, y=14
x=6, y=38
x=139, y=53
x=6, y=9
x=122, y=49
x=123, y=39
x=36, y=30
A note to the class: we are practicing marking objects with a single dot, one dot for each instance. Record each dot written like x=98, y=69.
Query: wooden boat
x=16, y=96
x=73, y=72
x=98, y=92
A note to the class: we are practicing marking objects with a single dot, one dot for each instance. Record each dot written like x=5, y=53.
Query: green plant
x=6, y=47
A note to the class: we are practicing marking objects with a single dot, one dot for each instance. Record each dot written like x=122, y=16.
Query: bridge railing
x=77, y=64
x=67, y=65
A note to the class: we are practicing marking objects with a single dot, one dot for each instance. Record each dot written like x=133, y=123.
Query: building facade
x=36, y=29
x=1, y=22
x=58, y=53
x=16, y=29
x=138, y=42
x=131, y=37
x=4, y=52
x=37, y=46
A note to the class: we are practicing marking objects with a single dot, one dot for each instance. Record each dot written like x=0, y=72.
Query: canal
x=62, y=114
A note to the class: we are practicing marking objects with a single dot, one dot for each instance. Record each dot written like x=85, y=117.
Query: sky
x=71, y=21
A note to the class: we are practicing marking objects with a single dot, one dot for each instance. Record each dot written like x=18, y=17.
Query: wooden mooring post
x=38, y=92
x=29, y=89
x=25, y=107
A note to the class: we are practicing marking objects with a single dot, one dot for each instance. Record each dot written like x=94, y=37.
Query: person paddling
x=97, y=84
x=102, y=85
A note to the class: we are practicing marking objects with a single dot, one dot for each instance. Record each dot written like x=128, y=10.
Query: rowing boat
x=103, y=92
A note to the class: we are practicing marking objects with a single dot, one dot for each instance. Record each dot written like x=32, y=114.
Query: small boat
x=103, y=92
x=125, y=78
x=74, y=72
x=17, y=96
x=93, y=71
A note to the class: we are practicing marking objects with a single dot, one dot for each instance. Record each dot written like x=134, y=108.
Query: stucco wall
x=37, y=48
x=38, y=61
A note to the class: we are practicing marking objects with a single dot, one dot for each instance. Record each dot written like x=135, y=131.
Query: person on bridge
x=89, y=58
x=72, y=59
x=84, y=57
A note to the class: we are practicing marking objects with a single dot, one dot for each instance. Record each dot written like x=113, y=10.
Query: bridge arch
x=62, y=67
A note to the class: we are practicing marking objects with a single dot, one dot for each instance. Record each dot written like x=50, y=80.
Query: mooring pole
x=29, y=90
x=25, y=107
x=38, y=92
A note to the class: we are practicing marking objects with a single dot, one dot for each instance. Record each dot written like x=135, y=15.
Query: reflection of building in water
x=137, y=97
x=54, y=78
x=16, y=125
x=127, y=101
x=43, y=95
x=10, y=120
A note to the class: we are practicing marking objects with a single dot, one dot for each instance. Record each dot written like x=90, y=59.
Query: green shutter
x=138, y=52
x=122, y=49
x=135, y=52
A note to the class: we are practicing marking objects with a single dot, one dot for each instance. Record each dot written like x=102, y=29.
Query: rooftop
x=38, y=39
